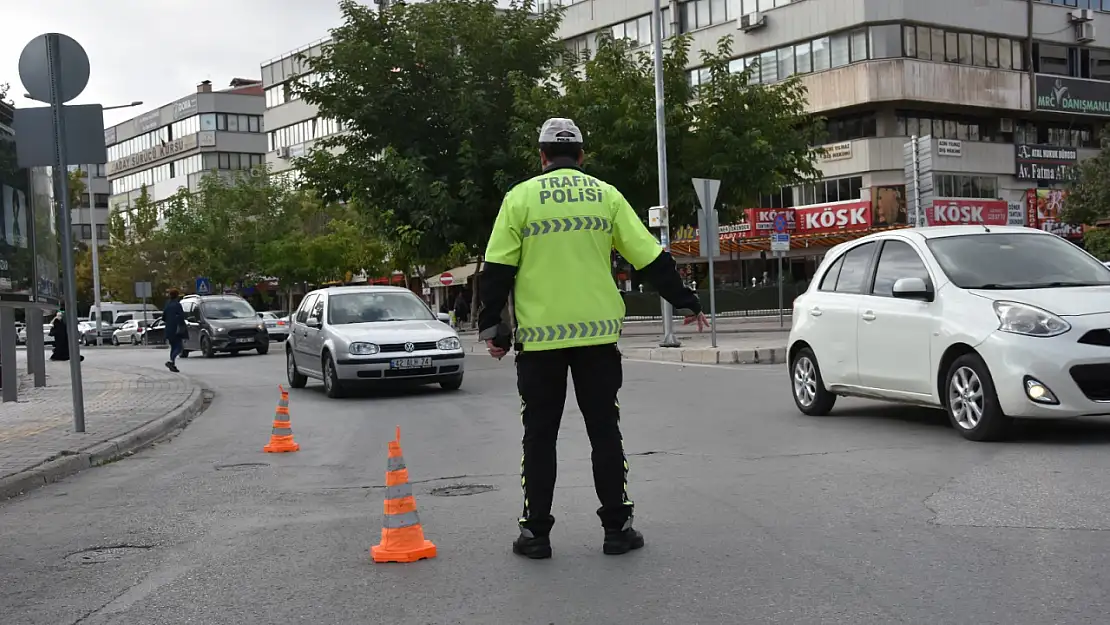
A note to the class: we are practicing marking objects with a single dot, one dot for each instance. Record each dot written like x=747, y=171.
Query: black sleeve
x=662, y=273
x=493, y=290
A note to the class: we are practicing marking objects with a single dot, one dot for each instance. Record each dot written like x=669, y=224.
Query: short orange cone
x=281, y=437
x=402, y=536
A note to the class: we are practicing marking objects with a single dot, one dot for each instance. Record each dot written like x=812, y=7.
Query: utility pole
x=669, y=339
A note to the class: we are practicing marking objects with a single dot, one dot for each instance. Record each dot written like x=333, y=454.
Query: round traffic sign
x=446, y=279
x=780, y=223
x=35, y=72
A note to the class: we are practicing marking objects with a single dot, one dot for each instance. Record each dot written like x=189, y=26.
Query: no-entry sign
x=446, y=279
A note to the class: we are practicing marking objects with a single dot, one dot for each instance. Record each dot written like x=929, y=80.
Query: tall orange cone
x=402, y=536
x=281, y=437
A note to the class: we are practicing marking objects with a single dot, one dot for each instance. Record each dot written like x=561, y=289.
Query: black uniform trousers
x=542, y=383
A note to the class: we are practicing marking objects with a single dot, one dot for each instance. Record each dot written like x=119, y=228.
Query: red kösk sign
x=761, y=221
x=839, y=217
x=446, y=279
x=968, y=212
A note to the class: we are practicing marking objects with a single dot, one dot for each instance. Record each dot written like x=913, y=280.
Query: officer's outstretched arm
x=500, y=265
x=636, y=243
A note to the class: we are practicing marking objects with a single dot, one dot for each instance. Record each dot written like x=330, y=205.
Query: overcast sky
x=158, y=50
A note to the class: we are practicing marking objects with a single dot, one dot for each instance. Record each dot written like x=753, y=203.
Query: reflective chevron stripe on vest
x=592, y=329
x=567, y=224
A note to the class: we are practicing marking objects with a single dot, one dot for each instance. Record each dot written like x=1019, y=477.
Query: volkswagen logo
x=409, y=347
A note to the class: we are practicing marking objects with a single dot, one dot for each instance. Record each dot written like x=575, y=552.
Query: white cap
x=560, y=130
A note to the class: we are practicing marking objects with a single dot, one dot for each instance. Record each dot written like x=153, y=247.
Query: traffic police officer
x=551, y=248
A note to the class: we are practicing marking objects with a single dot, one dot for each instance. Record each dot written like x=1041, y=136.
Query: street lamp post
x=669, y=339
x=96, y=241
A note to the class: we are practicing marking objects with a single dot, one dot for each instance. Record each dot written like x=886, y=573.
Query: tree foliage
x=425, y=91
x=1089, y=192
x=754, y=138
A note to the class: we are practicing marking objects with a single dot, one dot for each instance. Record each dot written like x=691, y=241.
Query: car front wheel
x=971, y=401
x=452, y=383
x=296, y=378
x=808, y=388
x=206, y=347
x=264, y=349
x=332, y=386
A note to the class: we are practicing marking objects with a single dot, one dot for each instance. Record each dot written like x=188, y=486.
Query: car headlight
x=1028, y=320
x=449, y=344
x=220, y=330
x=363, y=349
x=260, y=327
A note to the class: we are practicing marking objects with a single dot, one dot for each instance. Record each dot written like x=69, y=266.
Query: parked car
x=130, y=332
x=155, y=334
x=988, y=323
x=88, y=333
x=222, y=323
x=277, y=324
x=366, y=334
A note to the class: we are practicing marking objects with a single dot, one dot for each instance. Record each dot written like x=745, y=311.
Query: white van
x=118, y=313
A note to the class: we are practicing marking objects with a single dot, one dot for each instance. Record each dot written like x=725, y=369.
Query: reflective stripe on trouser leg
x=624, y=459
x=523, y=480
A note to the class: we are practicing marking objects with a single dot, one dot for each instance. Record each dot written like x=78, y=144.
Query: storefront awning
x=459, y=276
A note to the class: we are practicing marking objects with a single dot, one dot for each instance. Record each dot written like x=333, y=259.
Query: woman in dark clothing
x=60, y=333
x=462, y=309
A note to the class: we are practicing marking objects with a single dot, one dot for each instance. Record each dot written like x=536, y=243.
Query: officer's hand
x=495, y=351
x=700, y=318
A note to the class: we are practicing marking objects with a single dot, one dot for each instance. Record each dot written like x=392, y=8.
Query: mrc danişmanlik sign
x=1061, y=94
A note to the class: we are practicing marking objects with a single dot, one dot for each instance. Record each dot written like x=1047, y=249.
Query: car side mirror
x=312, y=322
x=913, y=288
x=444, y=317
x=259, y=315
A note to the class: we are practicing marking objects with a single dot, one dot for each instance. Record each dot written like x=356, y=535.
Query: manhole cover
x=98, y=555
x=461, y=490
x=241, y=466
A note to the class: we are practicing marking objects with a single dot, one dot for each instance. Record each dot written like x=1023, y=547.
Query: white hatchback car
x=989, y=323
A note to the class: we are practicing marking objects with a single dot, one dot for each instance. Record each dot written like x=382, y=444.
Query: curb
x=105, y=452
x=708, y=355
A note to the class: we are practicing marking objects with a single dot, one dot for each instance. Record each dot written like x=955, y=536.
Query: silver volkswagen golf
x=370, y=334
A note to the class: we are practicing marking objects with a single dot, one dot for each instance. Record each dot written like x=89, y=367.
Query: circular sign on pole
x=446, y=279
x=72, y=73
x=780, y=223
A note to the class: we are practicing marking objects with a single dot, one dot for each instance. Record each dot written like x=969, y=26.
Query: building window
x=964, y=186
x=886, y=41
x=1052, y=59
x=839, y=50
x=786, y=62
x=822, y=59
x=803, y=58
x=851, y=127
x=637, y=30
x=701, y=13
x=829, y=191
x=857, y=43
x=783, y=199
x=100, y=200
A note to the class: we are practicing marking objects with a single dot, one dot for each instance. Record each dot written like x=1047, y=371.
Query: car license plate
x=244, y=340
x=410, y=363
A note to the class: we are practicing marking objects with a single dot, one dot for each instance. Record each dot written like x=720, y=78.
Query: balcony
x=897, y=80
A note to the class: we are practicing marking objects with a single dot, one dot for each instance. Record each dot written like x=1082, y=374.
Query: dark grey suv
x=223, y=323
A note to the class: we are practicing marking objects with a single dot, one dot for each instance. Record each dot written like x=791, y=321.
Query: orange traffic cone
x=281, y=437
x=402, y=536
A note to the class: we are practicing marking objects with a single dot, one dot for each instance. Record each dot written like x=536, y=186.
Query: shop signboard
x=1044, y=208
x=851, y=216
x=1044, y=163
x=963, y=212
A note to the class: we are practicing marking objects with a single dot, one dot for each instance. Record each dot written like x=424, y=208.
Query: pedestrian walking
x=60, y=333
x=173, y=316
x=550, y=247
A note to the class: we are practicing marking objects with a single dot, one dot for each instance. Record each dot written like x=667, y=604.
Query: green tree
x=754, y=138
x=317, y=242
x=135, y=251
x=1097, y=242
x=1089, y=191
x=425, y=91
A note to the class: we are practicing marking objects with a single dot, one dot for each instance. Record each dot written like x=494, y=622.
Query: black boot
x=622, y=541
x=532, y=546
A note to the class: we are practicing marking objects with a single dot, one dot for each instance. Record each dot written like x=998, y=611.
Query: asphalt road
x=752, y=513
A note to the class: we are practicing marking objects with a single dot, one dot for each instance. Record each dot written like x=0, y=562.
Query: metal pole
x=782, y=322
x=712, y=292
x=95, y=260
x=669, y=339
x=66, y=227
x=916, y=185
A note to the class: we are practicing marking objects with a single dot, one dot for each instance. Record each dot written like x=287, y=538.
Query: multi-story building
x=1011, y=91
x=293, y=126
x=92, y=212
x=175, y=145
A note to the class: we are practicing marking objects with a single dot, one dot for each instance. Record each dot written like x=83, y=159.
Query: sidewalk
x=126, y=408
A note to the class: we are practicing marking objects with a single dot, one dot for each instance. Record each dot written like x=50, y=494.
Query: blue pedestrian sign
x=780, y=224
x=204, y=286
